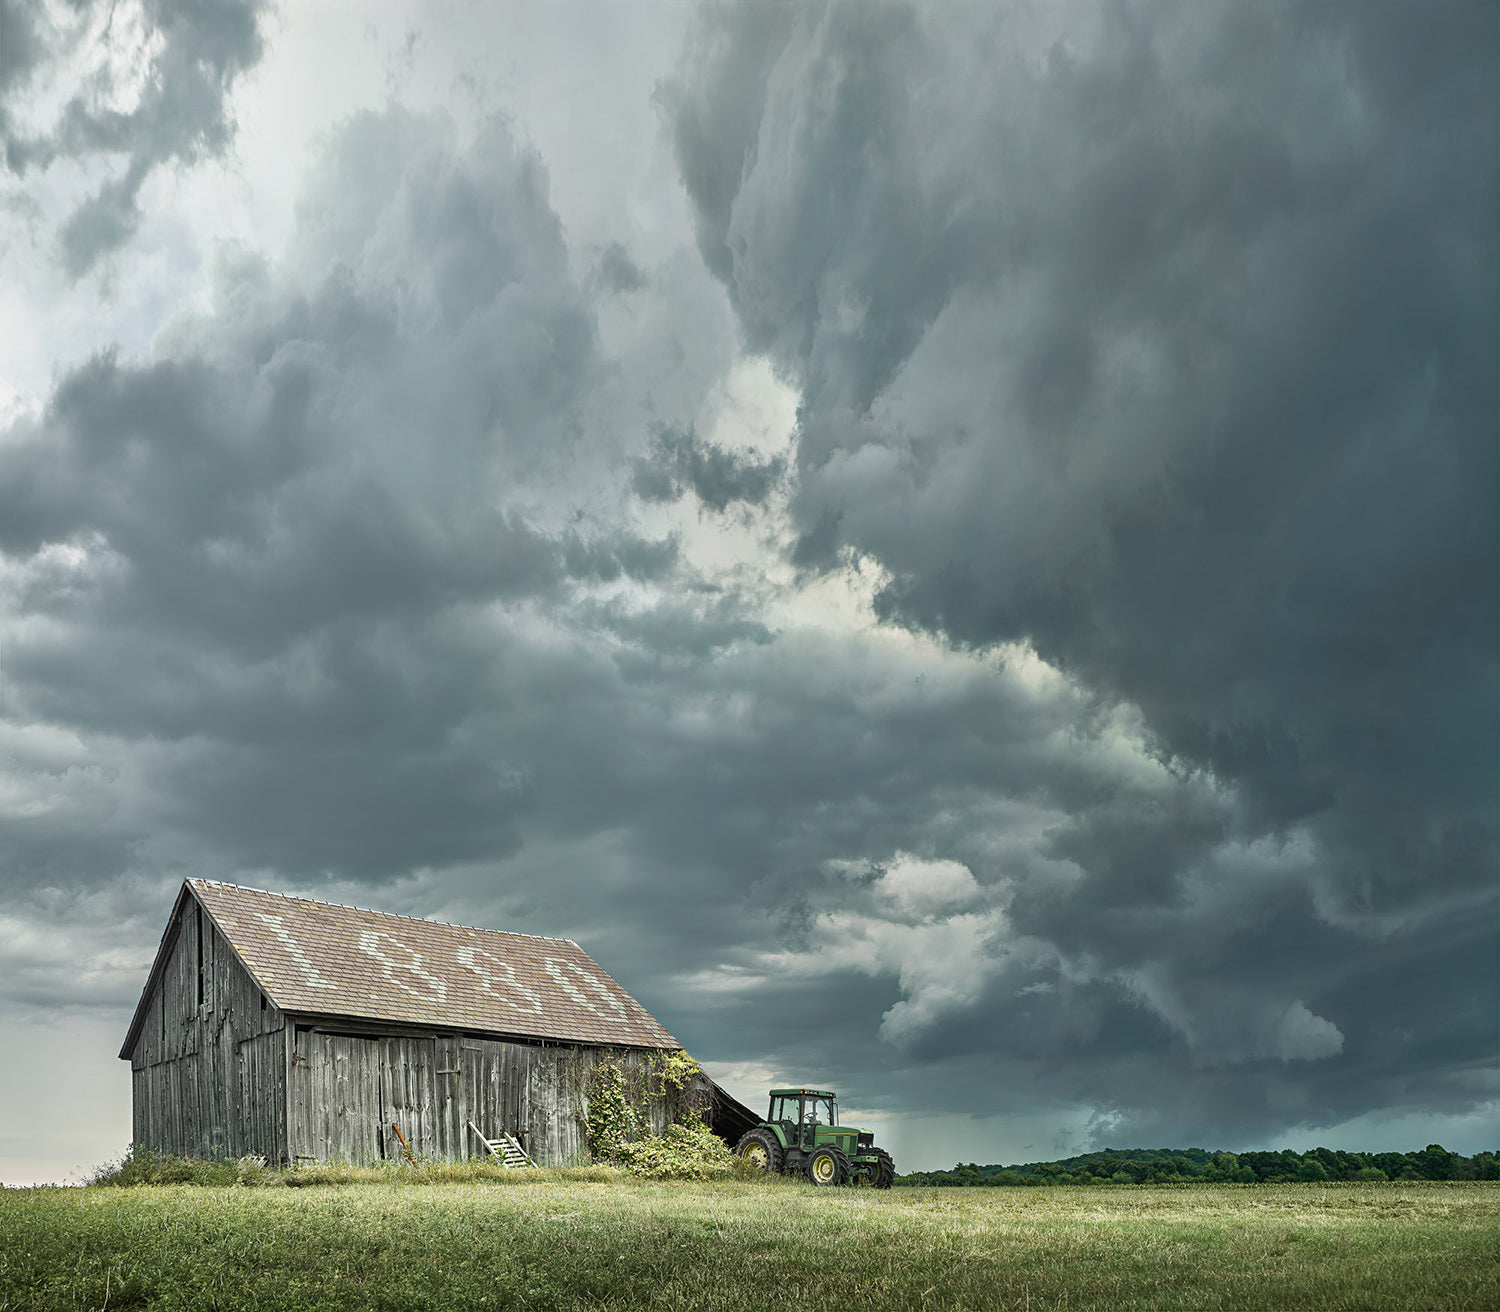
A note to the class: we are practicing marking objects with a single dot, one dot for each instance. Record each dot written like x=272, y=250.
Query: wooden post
x=405, y=1147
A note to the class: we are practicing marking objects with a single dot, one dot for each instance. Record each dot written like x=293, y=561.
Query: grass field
x=751, y=1244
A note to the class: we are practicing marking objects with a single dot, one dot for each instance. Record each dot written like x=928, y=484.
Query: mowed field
x=751, y=1245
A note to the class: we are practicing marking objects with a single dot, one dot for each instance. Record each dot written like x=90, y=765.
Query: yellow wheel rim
x=757, y=1154
x=824, y=1169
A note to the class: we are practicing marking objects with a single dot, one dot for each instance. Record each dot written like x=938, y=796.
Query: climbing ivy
x=617, y=1129
x=611, y=1121
x=677, y=1071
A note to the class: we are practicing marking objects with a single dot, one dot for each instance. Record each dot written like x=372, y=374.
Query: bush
x=616, y=1130
x=142, y=1166
x=689, y=1151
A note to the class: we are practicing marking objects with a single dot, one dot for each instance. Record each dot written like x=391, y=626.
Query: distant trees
x=1438, y=1163
x=1179, y=1165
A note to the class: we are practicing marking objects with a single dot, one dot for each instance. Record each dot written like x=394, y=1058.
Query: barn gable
x=207, y=1048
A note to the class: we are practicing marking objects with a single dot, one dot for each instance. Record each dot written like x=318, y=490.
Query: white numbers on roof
x=309, y=971
x=407, y=962
x=556, y=969
x=497, y=977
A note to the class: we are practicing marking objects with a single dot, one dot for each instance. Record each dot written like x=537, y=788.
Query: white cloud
x=928, y=924
x=927, y=889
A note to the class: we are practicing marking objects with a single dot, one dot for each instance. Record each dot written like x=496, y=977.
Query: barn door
x=305, y=1142
x=480, y=1103
x=450, y=1096
x=407, y=1089
x=336, y=1098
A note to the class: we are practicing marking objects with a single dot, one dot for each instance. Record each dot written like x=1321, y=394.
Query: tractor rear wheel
x=885, y=1171
x=827, y=1165
x=760, y=1148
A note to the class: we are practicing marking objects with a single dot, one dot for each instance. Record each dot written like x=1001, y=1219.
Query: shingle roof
x=336, y=960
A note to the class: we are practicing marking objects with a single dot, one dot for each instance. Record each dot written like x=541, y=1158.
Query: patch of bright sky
x=751, y=410
x=579, y=93
x=103, y=56
x=78, y=1117
x=938, y=1143
x=47, y=321
x=588, y=110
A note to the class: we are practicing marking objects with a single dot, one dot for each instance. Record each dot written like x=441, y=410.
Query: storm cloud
x=1165, y=343
x=979, y=589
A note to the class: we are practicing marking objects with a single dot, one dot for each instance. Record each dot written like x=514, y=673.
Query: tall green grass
x=142, y=1166
x=764, y=1244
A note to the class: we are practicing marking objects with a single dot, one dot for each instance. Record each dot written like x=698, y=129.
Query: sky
x=952, y=547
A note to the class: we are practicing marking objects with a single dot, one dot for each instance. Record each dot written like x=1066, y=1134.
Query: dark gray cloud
x=24, y=50
x=1165, y=343
x=273, y=549
x=679, y=461
x=617, y=272
x=155, y=91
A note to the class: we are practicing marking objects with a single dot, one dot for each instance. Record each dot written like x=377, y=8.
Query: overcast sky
x=952, y=547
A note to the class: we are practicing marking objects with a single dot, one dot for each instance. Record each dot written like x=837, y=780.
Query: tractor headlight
x=866, y=1140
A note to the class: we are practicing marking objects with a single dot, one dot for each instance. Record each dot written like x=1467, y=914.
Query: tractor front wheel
x=885, y=1170
x=827, y=1165
x=760, y=1148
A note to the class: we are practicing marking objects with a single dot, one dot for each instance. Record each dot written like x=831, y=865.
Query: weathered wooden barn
x=299, y=1030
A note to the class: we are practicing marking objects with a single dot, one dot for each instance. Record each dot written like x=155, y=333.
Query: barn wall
x=208, y=1069
x=346, y=1090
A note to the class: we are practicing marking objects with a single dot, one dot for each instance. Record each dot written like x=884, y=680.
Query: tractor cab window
x=820, y=1111
x=804, y=1109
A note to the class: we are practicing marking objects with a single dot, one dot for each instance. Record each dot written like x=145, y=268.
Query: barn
x=298, y=1030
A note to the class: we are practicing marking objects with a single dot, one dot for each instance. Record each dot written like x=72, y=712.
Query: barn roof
x=331, y=960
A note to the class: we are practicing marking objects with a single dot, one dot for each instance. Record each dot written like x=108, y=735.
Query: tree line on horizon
x=1182, y=1165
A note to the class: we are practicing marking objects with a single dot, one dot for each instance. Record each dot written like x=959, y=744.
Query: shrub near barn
x=619, y=1134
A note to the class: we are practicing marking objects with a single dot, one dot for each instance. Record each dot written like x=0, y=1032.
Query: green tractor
x=801, y=1132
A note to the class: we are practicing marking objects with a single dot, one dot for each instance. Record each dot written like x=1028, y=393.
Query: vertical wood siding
x=208, y=1077
x=347, y=1090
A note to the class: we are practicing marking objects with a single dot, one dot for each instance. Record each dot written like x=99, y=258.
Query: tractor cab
x=800, y=1111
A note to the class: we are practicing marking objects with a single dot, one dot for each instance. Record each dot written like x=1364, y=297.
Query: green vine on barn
x=611, y=1120
x=617, y=1131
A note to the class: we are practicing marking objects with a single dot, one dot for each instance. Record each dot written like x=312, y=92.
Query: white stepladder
x=505, y=1149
